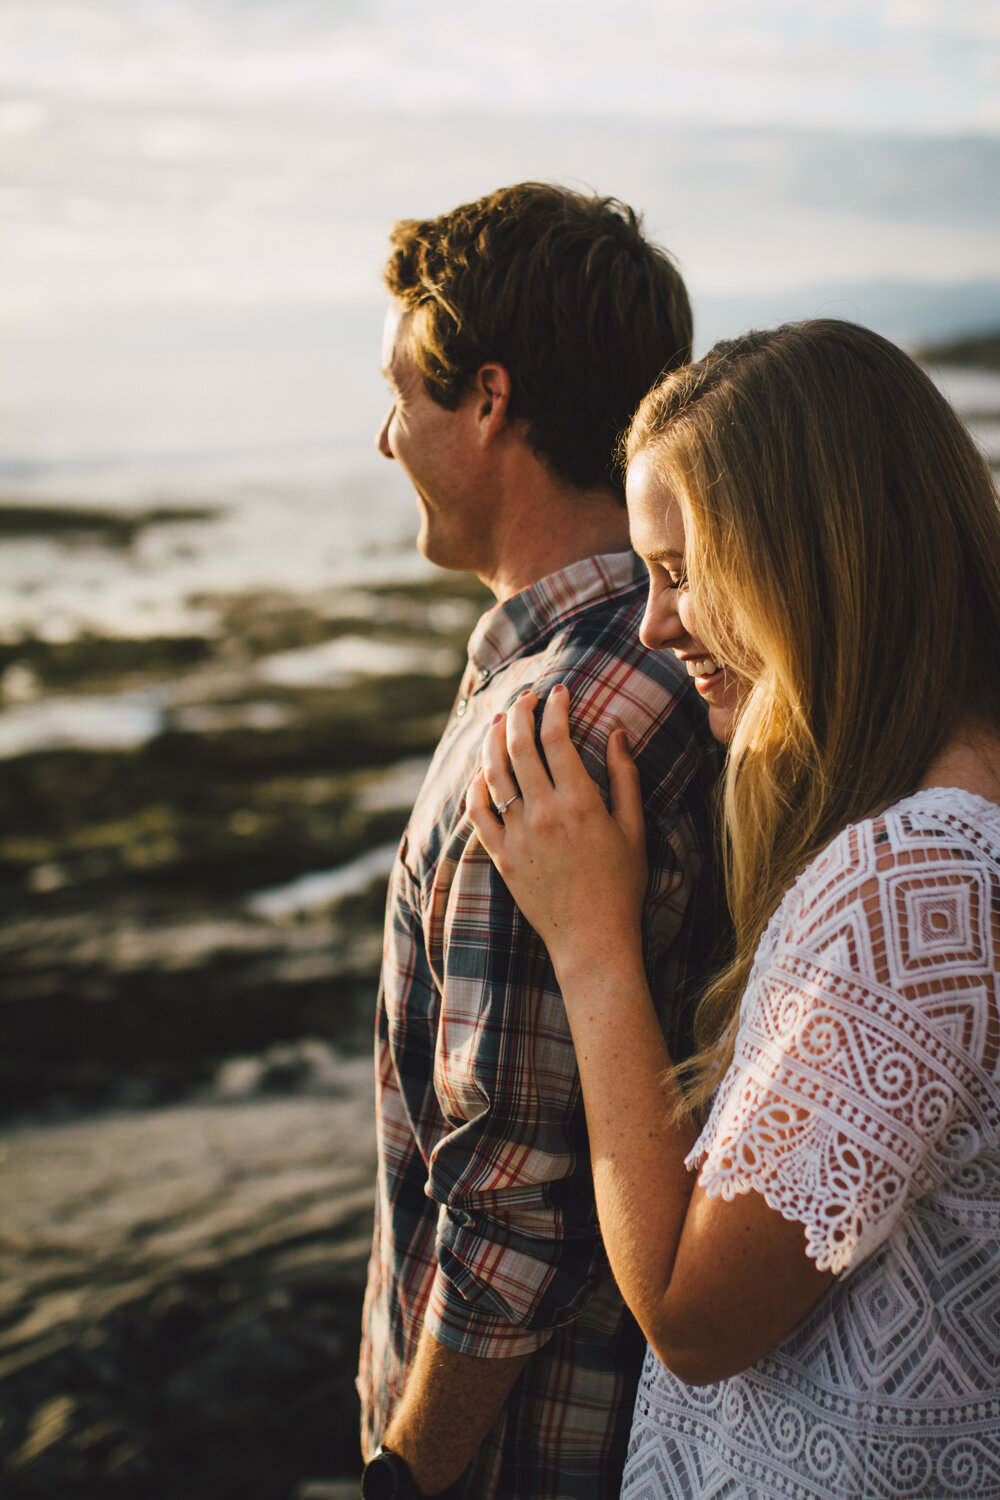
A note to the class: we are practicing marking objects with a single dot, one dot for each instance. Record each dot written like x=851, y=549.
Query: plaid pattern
x=486, y=1230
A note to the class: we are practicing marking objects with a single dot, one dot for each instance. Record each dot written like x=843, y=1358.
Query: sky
x=917, y=65
x=195, y=197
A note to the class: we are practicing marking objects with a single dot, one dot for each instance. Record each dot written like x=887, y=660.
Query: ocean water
x=302, y=524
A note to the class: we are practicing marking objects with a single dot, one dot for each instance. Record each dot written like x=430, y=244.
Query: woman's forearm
x=637, y=1151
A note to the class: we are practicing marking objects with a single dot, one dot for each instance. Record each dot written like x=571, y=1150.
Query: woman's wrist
x=593, y=961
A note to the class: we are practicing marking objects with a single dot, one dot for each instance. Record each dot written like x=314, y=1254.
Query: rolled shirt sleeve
x=518, y=1244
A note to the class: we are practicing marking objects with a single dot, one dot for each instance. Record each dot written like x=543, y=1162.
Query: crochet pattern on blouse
x=863, y=1102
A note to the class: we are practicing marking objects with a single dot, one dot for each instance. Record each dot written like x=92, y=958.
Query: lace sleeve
x=864, y=1062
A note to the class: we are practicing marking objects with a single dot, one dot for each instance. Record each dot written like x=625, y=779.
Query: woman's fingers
x=626, y=793
x=496, y=762
x=564, y=763
x=525, y=762
x=515, y=772
x=482, y=817
x=561, y=854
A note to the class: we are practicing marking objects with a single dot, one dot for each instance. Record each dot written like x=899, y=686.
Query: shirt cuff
x=471, y=1329
x=499, y=1291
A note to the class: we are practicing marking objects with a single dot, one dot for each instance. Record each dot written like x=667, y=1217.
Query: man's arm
x=450, y=1403
x=516, y=1254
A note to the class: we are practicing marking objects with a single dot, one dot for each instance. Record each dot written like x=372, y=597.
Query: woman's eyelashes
x=671, y=575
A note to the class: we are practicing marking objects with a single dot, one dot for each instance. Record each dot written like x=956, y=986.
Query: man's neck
x=547, y=527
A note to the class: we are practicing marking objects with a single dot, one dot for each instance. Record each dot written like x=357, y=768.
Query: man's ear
x=492, y=390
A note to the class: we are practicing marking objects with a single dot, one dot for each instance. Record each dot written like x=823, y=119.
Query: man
x=497, y=1356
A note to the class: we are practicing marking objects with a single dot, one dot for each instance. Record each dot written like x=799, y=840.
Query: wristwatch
x=386, y=1477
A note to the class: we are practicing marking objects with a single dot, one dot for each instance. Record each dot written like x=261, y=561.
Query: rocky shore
x=161, y=803
x=195, y=839
x=180, y=1298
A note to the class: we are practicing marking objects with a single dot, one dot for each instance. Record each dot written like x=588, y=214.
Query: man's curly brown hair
x=560, y=288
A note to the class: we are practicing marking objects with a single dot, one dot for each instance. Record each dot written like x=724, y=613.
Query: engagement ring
x=503, y=806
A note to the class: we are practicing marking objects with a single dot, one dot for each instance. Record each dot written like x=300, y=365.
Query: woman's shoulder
x=891, y=927
x=935, y=839
x=865, y=1068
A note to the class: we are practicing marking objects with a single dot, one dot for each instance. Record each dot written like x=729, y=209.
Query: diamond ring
x=503, y=806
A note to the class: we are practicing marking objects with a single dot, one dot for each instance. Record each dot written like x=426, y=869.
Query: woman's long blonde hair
x=843, y=550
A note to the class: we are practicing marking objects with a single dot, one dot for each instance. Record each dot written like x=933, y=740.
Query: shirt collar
x=505, y=628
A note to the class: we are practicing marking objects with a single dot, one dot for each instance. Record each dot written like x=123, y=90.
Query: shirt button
x=484, y=674
x=461, y=706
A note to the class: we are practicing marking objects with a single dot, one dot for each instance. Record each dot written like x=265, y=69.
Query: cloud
x=904, y=64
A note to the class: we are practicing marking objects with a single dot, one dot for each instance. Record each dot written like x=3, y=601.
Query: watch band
x=387, y=1477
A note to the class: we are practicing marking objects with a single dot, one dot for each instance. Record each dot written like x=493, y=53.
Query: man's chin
x=436, y=555
x=436, y=551
x=425, y=538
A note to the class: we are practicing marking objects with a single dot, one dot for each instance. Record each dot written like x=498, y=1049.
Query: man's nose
x=382, y=441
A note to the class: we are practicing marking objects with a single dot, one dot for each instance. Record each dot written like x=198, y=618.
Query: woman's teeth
x=703, y=666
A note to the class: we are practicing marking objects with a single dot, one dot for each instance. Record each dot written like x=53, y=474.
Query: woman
x=817, y=1266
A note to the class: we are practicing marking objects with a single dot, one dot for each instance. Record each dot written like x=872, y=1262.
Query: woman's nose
x=661, y=624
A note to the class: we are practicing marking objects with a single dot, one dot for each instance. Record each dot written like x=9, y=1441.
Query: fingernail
x=560, y=687
x=623, y=743
x=499, y=718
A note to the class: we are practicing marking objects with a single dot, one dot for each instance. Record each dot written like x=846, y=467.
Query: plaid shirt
x=486, y=1230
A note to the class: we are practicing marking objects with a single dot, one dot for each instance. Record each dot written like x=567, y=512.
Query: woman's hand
x=577, y=872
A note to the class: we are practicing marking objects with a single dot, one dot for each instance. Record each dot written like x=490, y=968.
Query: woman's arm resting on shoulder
x=713, y=1284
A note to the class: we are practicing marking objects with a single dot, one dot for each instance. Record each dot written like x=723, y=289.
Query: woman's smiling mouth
x=702, y=666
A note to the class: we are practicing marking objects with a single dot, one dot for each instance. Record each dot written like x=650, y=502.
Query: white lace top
x=864, y=1102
